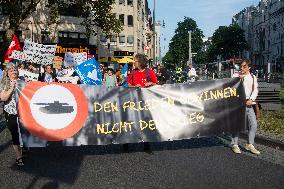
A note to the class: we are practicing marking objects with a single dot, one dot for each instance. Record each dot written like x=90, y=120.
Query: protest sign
x=39, y=53
x=57, y=62
x=98, y=115
x=18, y=55
x=89, y=72
x=74, y=59
x=29, y=76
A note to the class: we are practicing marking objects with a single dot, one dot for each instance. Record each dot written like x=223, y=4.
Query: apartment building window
x=122, y=40
x=138, y=4
x=130, y=2
x=72, y=37
x=70, y=10
x=130, y=40
x=103, y=39
x=45, y=36
x=130, y=20
x=122, y=2
x=113, y=40
x=121, y=19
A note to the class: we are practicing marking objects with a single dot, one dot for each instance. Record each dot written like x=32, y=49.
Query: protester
x=21, y=67
x=118, y=75
x=7, y=95
x=49, y=75
x=109, y=78
x=32, y=68
x=60, y=72
x=191, y=73
x=251, y=91
x=161, y=75
x=141, y=76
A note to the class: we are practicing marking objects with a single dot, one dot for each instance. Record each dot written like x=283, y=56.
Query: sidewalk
x=268, y=139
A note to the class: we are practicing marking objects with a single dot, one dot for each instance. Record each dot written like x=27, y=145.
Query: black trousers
x=12, y=124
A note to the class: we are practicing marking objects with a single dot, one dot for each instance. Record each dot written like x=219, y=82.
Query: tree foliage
x=227, y=42
x=95, y=14
x=178, y=48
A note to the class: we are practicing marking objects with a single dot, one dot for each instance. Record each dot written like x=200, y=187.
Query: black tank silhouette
x=55, y=108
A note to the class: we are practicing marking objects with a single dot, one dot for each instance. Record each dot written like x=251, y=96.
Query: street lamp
x=189, y=48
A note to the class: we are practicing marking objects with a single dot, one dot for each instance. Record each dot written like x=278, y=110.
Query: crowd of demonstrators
x=140, y=76
x=8, y=82
x=251, y=91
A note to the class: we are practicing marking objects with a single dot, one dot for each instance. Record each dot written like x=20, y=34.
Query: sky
x=209, y=14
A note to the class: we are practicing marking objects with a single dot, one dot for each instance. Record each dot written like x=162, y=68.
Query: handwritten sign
x=39, y=53
x=29, y=76
x=57, y=62
x=18, y=55
x=74, y=59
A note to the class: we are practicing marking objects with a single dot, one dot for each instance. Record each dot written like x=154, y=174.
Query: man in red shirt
x=141, y=76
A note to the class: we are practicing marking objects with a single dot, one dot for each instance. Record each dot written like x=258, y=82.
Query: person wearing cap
x=7, y=94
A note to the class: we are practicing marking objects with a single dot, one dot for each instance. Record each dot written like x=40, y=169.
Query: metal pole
x=154, y=32
x=189, y=49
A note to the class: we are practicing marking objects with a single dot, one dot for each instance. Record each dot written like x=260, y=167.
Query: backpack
x=147, y=75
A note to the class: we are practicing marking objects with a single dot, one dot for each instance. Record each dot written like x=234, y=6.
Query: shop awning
x=126, y=60
x=106, y=59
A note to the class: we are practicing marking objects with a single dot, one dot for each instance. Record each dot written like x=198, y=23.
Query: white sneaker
x=251, y=148
x=236, y=149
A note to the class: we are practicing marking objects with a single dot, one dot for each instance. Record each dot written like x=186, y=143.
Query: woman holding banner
x=7, y=95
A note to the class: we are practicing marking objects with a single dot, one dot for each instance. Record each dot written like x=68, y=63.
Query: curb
x=266, y=141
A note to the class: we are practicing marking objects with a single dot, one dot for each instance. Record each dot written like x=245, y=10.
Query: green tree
x=178, y=47
x=94, y=13
x=227, y=42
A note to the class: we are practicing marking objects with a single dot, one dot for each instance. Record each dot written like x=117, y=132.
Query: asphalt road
x=195, y=163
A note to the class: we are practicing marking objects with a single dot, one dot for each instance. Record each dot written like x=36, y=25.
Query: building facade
x=69, y=34
x=264, y=30
x=136, y=36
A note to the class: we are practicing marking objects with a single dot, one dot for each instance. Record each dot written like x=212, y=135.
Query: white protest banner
x=72, y=80
x=18, y=55
x=68, y=59
x=29, y=76
x=80, y=57
x=74, y=59
x=39, y=53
